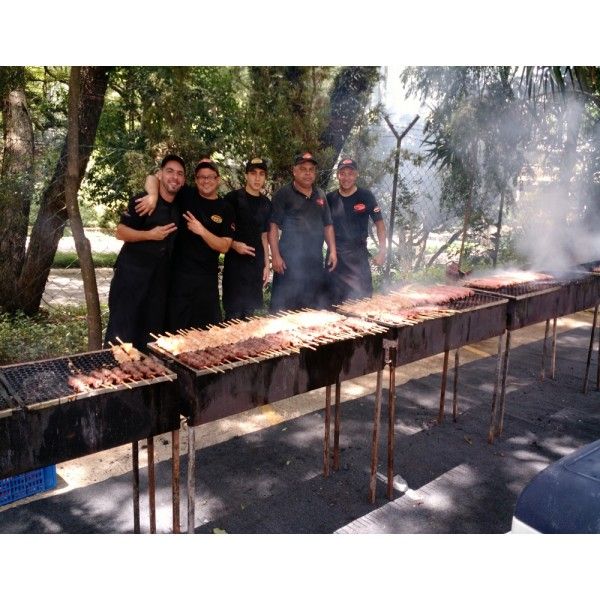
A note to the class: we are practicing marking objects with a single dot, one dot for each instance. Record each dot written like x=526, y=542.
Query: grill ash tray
x=40, y=384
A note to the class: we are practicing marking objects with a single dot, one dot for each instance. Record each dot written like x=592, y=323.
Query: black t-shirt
x=164, y=213
x=350, y=215
x=192, y=253
x=301, y=220
x=252, y=214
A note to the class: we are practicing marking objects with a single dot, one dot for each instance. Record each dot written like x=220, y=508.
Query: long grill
x=43, y=421
x=534, y=302
x=420, y=332
x=320, y=355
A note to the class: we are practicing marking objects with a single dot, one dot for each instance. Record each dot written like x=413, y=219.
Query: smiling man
x=301, y=216
x=351, y=208
x=138, y=291
x=247, y=266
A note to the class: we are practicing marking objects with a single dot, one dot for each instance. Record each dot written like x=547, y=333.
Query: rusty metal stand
x=135, y=462
x=553, y=363
x=391, y=360
x=336, y=426
x=443, y=389
x=497, y=385
x=455, y=390
x=543, y=371
x=175, y=480
x=191, y=479
x=500, y=424
x=590, y=350
x=151, y=485
x=327, y=431
x=375, y=441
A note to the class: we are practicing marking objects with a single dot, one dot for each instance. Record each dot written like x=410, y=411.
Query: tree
x=16, y=183
x=52, y=216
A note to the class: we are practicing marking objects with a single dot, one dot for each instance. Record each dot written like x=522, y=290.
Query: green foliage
x=57, y=332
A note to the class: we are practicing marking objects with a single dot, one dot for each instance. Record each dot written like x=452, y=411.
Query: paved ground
x=261, y=472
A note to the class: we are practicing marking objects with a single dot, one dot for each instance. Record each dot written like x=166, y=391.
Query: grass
x=56, y=332
x=69, y=260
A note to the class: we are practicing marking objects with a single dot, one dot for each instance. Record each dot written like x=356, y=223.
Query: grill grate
x=478, y=300
x=39, y=381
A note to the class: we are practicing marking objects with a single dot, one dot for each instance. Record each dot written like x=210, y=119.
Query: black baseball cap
x=206, y=163
x=172, y=157
x=347, y=163
x=305, y=157
x=256, y=163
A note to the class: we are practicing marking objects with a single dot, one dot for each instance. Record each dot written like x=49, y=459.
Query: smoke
x=554, y=219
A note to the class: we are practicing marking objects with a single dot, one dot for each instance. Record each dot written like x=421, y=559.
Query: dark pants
x=351, y=279
x=301, y=286
x=137, y=300
x=242, y=285
x=193, y=301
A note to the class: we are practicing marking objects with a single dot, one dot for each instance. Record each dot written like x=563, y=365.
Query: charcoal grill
x=534, y=302
x=43, y=421
x=228, y=389
x=456, y=324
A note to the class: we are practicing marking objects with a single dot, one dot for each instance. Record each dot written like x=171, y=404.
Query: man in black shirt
x=351, y=207
x=301, y=214
x=194, y=292
x=138, y=290
x=247, y=267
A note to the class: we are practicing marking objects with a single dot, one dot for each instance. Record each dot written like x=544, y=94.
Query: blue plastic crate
x=27, y=484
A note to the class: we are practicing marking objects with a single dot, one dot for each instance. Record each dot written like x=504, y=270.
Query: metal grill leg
x=135, y=467
x=590, y=350
x=327, y=431
x=175, y=480
x=336, y=426
x=543, y=371
x=497, y=386
x=553, y=363
x=443, y=390
x=455, y=390
x=151, y=485
x=500, y=426
x=375, y=441
x=391, y=425
x=191, y=479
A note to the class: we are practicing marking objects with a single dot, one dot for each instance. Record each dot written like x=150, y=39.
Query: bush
x=51, y=333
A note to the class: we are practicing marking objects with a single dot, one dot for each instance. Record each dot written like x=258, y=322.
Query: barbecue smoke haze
x=552, y=218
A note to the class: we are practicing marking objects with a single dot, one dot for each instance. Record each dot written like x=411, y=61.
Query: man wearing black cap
x=194, y=292
x=351, y=207
x=138, y=291
x=301, y=215
x=247, y=267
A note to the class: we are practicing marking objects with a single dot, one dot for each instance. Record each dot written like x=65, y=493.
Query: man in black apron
x=247, y=267
x=138, y=291
x=301, y=215
x=193, y=299
x=351, y=207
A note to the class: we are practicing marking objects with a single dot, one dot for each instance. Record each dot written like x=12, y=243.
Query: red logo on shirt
x=359, y=208
x=320, y=201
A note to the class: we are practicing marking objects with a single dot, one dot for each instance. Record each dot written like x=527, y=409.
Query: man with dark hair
x=351, y=207
x=301, y=214
x=194, y=292
x=247, y=269
x=138, y=290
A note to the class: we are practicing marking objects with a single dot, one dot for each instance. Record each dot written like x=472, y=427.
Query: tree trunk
x=350, y=94
x=16, y=181
x=50, y=223
x=82, y=244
